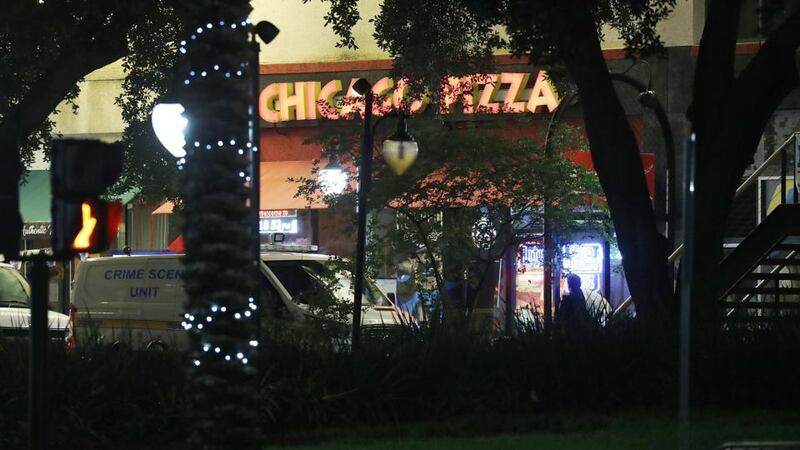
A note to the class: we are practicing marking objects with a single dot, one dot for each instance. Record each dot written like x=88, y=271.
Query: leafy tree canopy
x=417, y=33
x=491, y=188
x=47, y=47
x=429, y=39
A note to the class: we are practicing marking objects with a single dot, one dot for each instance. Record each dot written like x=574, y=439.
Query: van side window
x=297, y=278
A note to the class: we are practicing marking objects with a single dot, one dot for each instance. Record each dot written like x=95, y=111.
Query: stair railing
x=761, y=283
x=780, y=152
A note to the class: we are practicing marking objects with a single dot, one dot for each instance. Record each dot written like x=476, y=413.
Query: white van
x=139, y=299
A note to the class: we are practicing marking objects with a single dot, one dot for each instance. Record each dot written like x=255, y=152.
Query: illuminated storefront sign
x=531, y=255
x=508, y=92
x=281, y=221
x=586, y=261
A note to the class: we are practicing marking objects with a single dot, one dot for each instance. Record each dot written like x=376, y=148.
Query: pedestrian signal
x=82, y=171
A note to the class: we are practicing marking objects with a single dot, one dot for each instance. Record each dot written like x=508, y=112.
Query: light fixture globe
x=332, y=178
x=400, y=149
x=169, y=125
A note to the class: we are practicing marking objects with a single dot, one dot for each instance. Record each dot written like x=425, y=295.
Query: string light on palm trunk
x=203, y=321
x=195, y=324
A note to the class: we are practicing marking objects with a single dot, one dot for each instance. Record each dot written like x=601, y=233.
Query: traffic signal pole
x=81, y=172
x=38, y=352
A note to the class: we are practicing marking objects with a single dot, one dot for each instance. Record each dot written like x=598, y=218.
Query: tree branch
x=54, y=84
x=715, y=65
x=79, y=58
x=758, y=91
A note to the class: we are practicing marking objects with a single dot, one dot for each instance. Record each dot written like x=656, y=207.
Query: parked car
x=15, y=313
x=139, y=299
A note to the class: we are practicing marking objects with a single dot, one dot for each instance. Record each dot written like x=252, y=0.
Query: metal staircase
x=760, y=278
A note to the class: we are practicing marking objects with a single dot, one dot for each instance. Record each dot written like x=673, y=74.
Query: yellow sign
x=506, y=92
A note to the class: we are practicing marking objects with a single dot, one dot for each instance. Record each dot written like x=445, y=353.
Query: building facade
x=303, y=66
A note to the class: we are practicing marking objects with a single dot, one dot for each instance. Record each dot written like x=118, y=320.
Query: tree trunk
x=10, y=172
x=220, y=273
x=729, y=115
x=616, y=159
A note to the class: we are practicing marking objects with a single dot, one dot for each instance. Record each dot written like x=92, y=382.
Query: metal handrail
x=673, y=257
x=761, y=283
x=750, y=180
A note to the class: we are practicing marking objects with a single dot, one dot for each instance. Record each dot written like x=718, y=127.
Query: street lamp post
x=267, y=32
x=362, y=87
x=400, y=150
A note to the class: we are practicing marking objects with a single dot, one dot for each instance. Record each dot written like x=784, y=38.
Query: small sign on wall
x=278, y=221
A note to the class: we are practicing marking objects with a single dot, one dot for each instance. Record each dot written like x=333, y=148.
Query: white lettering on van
x=144, y=292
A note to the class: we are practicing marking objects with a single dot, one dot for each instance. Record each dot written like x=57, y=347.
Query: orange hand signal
x=83, y=239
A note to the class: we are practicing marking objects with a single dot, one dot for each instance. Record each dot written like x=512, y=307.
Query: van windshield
x=13, y=288
x=317, y=282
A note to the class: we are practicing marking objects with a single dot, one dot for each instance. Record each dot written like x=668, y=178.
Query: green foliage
x=39, y=39
x=467, y=181
x=149, y=68
x=413, y=31
x=31, y=37
x=431, y=38
x=342, y=17
x=96, y=396
x=103, y=396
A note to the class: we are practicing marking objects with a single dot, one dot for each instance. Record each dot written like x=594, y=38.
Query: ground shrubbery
x=95, y=395
x=102, y=395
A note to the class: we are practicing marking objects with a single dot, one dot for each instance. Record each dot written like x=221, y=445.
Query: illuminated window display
x=584, y=259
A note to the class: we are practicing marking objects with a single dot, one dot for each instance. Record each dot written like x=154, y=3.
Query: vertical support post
x=126, y=224
x=364, y=175
x=511, y=285
x=314, y=226
x=556, y=274
x=783, y=174
x=38, y=353
x=255, y=175
x=796, y=167
x=607, y=270
x=548, y=278
x=687, y=282
x=63, y=286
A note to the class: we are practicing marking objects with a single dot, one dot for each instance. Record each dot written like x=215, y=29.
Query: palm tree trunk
x=219, y=272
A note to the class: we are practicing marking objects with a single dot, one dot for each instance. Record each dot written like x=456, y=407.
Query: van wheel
x=157, y=346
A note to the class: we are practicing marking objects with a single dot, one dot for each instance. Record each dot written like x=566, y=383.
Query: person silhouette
x=572, y=311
